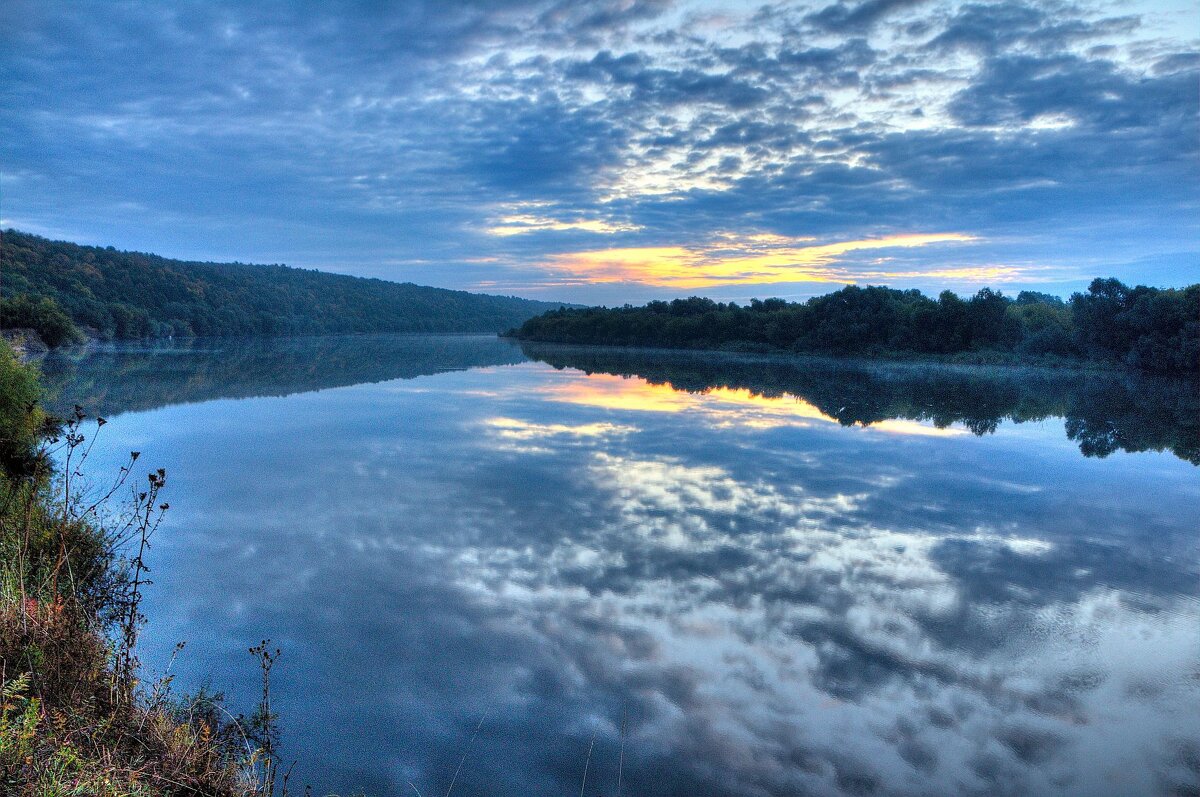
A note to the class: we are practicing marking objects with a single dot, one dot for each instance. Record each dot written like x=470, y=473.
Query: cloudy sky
x=617, y=150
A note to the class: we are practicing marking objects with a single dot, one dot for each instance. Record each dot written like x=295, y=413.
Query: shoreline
x=962, y=360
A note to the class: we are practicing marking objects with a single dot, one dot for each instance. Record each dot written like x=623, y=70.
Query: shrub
x=21, y=417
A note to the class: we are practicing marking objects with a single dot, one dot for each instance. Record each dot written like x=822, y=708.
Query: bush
x=21, y=417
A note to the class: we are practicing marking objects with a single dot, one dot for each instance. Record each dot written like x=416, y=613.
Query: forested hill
x=1149, y=329
x=113, y=294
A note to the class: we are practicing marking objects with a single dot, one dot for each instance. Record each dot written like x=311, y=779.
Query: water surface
x=789, y=577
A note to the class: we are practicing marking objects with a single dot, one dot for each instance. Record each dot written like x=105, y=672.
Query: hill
x=114, y=294
x=1146, y=328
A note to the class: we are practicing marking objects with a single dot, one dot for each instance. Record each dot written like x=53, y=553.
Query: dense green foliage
x=21, y=417
x=42, y=315
x=113, y=294
x=1147, y=328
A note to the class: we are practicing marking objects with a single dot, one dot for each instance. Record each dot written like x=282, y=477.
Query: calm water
x=788, y=578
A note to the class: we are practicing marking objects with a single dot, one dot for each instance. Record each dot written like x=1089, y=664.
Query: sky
x=612, y=151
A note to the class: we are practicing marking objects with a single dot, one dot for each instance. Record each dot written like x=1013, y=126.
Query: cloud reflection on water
x=792, y=608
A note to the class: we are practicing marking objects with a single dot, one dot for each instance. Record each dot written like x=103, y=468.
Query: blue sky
x=616, y=150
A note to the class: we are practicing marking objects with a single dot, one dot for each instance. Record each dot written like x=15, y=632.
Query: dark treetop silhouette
x=1145, y=328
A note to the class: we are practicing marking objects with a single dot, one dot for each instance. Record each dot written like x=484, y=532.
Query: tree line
x=1150, y=329
x=62, y=290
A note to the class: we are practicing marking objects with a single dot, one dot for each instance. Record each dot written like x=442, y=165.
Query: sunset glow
x=721, y=406
x=658, y=398
x=753, y=260
x=618, y=151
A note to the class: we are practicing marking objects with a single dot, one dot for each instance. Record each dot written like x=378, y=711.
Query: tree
x=41, y=314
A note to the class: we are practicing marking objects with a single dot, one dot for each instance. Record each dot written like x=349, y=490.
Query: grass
x=76, y=717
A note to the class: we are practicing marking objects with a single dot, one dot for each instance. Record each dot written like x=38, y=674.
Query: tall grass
x=76, y=717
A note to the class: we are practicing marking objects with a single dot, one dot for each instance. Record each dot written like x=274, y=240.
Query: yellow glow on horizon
x=617, y=393
x=722, y=406
x=902, y=426
x=754, y=259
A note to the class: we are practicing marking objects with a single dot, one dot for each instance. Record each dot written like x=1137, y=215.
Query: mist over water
x=790, y=577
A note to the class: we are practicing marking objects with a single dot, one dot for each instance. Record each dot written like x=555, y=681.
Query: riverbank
x=76, y=715
x=24, y=341
x=967, y=359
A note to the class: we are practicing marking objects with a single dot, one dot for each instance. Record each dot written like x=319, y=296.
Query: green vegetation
x=111, y=294
x=1144, y=328
x=74, y=717
x=21, y=416
x=43, y=316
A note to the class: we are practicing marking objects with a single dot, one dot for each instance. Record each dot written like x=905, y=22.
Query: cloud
x=388, y=140
x=522, y=223
x=664, y=88
x=1017, y=90
x=846, y=17
x=994, y=27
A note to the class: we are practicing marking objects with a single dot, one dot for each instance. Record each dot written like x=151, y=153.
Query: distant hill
x=114, y=294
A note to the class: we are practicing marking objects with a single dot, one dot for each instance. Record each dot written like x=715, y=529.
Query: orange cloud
x=753, y=260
